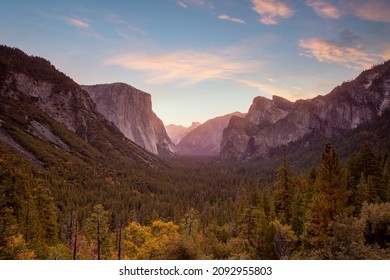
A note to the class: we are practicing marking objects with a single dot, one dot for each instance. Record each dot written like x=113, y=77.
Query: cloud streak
x=334, y=52
x=186, y=66
x=182, y=4
x=271, y=11
x=324, y=9
x=232, y=19
x=77, y=22
x=119, y=21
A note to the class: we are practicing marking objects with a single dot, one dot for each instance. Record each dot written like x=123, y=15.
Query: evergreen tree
x=330, y=200
x=364, y=167
x=284, y=190
x=97, y=228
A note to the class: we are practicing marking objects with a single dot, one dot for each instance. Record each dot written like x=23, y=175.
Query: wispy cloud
x=232, y=19
x=373, y=10
x=196, y=3
x=182, y=4
x=77, y=22
x=120, y=21
x=292, y=93
x=185, y=66
x=324, y=9
x=271, y=11
x=83, y=26
x=335, y=52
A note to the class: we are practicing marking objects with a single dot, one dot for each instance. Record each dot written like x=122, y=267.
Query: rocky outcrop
x=206, y=138
x=177, y=132
x=131, y=111
x=274, y=123
x=42, y=101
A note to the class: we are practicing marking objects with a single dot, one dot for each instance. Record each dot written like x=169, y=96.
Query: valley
x=89, y=172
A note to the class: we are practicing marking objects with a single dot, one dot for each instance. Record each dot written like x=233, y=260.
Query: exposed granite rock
x=49, y=96
x=131, y=111
x=273, y=123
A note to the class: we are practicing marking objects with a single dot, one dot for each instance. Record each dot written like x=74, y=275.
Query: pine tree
x=364, y=167
x=284, y=190
x=330, y=200
x=98, y=230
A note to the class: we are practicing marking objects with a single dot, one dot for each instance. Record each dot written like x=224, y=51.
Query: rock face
x=177, y=132
x=46, y=102
x=272, y=123
x=206, y=138
x=131, y=111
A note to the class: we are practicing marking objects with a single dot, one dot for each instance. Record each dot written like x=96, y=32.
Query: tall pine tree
x=329, y=201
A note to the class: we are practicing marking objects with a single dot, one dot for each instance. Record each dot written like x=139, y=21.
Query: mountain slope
x=44, y=106
x=177, y=132
x=206, y=138
x=131, y=111
x=344, y=108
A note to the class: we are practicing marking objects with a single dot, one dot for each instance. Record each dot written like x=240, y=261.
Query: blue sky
x=204, y=58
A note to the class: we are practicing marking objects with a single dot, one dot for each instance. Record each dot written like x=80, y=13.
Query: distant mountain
x=206, y=138
x=177, y=132
x=131, y=111
x=272, y=123
x=41, y=109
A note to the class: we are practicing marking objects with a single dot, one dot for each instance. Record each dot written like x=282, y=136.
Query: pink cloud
x=187, y=66
x=271, y=11
x=236, y=20
x=333, y=52
x=324, y=9
x=378, y=10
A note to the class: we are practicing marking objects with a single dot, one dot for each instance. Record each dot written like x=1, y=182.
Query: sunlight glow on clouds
x=236, y=20
x=324, y=9
x=183, y=65
x=333, y=52
x=290, y=94
x=271, y=11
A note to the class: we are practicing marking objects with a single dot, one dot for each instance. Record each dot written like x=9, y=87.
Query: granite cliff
x=131, y=111
x=276, y=122
x=43, y=104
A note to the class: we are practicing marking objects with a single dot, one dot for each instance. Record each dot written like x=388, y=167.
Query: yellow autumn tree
x=149, y=242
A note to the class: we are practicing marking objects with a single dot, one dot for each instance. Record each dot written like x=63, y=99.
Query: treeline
x=40, y=69
x=211, y=211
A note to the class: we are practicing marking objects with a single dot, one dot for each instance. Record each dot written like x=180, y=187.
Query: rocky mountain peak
x=264, y=110
x=131, y=111
x=272, y=123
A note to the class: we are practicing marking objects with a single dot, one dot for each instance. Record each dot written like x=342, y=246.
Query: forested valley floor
x=197, y=208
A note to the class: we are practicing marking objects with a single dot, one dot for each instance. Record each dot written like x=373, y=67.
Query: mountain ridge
x=344, y=108
x=39, y=101
x=206, y=138
x=177, y=132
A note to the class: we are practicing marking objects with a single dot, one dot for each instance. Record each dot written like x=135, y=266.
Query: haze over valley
x=195, y=129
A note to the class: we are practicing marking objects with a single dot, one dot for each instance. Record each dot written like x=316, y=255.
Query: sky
x=201, y=59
